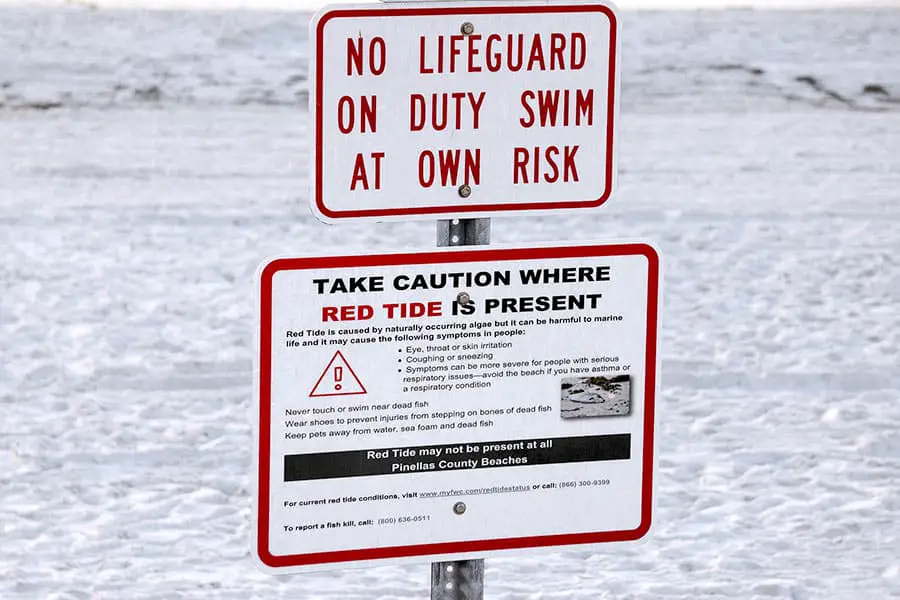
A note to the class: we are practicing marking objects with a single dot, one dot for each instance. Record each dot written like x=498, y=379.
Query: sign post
x=463, y=579
x=458, y=580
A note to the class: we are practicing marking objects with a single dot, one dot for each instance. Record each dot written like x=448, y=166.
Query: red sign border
x=462, y=209
x=465, y=256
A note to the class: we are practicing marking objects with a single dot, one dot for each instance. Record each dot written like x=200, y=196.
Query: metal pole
x=463, y=232
x=461, y=579
x=457, y=580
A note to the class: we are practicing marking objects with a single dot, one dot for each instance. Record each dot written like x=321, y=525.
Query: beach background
x=151, y=159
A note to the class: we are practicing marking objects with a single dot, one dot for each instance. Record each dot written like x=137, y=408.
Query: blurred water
x=672, y=61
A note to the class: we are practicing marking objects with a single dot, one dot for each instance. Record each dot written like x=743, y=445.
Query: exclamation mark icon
x=338, y=376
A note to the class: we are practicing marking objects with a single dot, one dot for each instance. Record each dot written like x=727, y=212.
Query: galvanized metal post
x=462, y=579
x=457, y=580
x=463, y=232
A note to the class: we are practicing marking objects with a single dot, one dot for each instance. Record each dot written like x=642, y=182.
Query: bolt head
x=463, y=298
x=459, y=508
x=465, y=190
x=467, y=28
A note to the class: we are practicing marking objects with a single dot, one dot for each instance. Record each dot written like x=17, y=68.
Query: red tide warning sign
x=545, y=376
x=338, y=379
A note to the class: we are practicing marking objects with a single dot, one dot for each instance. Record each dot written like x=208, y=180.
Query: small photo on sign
x=596, y=396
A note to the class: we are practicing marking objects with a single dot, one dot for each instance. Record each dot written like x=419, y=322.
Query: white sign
x=454, y=404
x=462, y=109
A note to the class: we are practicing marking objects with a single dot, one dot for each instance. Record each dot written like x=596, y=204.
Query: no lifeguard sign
x=462, y=109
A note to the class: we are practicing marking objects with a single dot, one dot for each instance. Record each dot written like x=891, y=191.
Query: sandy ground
x=130, y=230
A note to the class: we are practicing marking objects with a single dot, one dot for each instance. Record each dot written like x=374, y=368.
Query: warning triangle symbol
x=338, y=379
